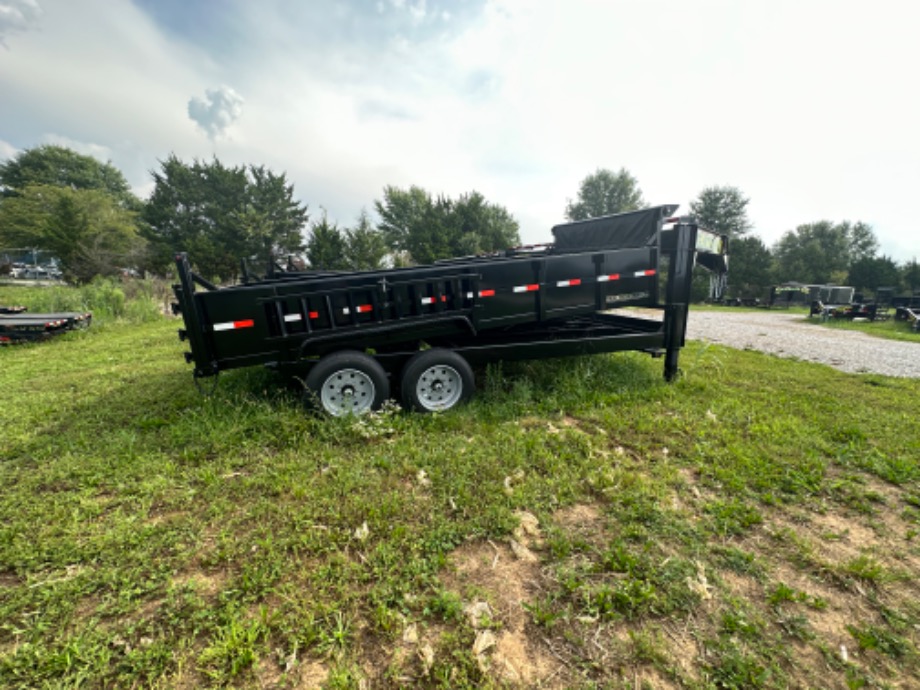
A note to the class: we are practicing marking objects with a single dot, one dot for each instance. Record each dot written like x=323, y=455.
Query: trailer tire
x=347, y=382
x=436, y=380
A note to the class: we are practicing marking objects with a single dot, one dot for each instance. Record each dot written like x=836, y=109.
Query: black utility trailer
x=346, y=335
x=18, y=325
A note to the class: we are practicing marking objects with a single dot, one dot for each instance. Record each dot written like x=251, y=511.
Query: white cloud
x=418, y=11
x=804, y=105
x=7, y=150
x=214, y=113
x=18, y=16
x=97, y=151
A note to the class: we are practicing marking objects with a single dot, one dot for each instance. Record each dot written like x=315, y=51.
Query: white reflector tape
x=569, y=283
x=526, y=288
x=469, y=295
x=606, y=279
x=293, y=317
x=233, y=325
x=427, y=300
x=643, y=274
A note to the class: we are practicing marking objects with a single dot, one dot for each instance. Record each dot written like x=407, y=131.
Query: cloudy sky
x=810, y=107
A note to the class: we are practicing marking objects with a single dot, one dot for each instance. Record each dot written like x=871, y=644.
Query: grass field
x=890, y=329
x=581, y=524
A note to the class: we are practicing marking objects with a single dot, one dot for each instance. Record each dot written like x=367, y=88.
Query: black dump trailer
x=352, y=336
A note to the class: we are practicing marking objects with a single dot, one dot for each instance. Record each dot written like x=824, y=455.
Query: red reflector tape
x=605, y=279
x=642, y=274
x=360, y=309
x=526, y=288
x=569, y=283
x=487, y=293
x=313, y=314
x=233, y=325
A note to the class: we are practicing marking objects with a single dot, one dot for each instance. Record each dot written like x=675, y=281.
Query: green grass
x=890, y=329
x=734, y=529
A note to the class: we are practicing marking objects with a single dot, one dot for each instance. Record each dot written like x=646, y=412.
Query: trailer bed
x=522, y=303
x=24, y=326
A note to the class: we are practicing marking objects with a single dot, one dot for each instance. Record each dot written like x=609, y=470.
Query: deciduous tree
x=86, y=229
x=722, y=210
x=871, y=273
x=366, y=247
x=220, y=214
x=822, y=252
x=327, y=246
x=750, y=267
x=910, y=275
x=604, y=192
x=58, y=166
x=431, y=228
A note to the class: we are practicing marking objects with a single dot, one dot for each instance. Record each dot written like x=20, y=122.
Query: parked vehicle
x=353, y=336
x=17, y=325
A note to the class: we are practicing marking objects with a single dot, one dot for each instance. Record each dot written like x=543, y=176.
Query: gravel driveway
x=789, y=335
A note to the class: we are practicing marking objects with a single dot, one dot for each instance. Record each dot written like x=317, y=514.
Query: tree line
x=84, y=212
x=820, y=252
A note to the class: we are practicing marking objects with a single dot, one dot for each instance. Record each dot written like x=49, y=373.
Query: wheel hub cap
x=439, y=388
x=348, y=391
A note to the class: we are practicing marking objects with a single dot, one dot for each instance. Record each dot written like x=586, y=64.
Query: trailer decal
x=360, y=309
x=526, y=288
x=233, y=325
x=298, y=317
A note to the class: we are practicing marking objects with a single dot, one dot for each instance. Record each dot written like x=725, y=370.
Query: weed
x=871, y=637
x=866, y=568
x=150, y=536
x=234, y=650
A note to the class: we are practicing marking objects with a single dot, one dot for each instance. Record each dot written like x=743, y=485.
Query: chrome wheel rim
x=439, y=388
x=348, y=391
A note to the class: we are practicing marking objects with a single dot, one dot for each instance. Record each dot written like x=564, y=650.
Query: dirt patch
x=9, y=581
x=206, y=584
x=492, y=572
x=585, y=522
x=496, y=578
x=838, y=570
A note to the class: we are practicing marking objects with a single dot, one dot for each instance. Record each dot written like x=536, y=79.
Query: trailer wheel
x=347, y=382
x=436, y=380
